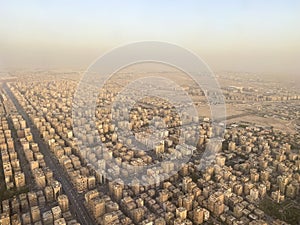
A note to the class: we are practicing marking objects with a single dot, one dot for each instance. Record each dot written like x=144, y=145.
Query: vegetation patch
x=288, y=211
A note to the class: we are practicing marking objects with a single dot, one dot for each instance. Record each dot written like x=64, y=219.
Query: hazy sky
x=254, y=35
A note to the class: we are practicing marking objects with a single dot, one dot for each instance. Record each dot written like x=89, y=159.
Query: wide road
x=76, y=204
x=19, y=149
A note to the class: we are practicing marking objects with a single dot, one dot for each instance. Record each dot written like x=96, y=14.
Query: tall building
x=137, y=215
x=185, y=182
x=219, y=208
x=97, y=207
x=117, y=192
x=20, y=180
x=56, y=212
x=4, y=219
x=49, y=194
x=63, y=203
x=48, y=218
x=181, y=213
x=198, y=215
x=35, y=214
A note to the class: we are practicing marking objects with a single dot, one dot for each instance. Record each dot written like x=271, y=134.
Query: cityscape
x=152, y=145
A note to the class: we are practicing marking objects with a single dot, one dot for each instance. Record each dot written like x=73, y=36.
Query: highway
x=218, y=120
x=77, y=206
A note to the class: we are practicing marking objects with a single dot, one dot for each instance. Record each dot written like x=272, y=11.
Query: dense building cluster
x=252, y=164
x=41, y=199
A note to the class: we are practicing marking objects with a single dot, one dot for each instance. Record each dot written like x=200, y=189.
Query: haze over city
x=248, y=36
x=149, y=112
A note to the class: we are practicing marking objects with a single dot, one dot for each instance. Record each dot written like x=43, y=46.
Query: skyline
x=249, y=36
